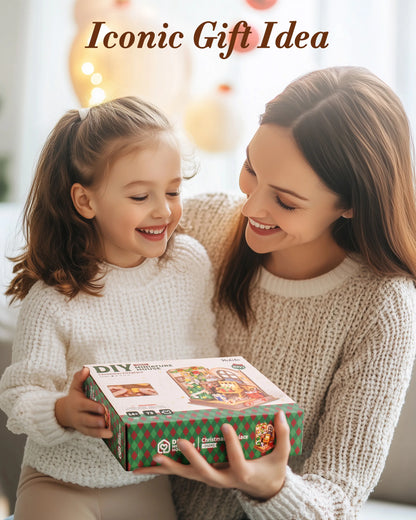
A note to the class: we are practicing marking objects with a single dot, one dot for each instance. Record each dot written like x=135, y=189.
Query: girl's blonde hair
x=353, y=131
x=62, y=247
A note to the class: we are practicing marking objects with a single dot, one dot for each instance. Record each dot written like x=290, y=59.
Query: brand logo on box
x=163, y=446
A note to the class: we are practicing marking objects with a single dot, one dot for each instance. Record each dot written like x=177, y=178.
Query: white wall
x=12, y=56
x=36, y=87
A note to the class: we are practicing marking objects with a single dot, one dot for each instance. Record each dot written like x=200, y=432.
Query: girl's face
x=137, y=205
x=290, y=211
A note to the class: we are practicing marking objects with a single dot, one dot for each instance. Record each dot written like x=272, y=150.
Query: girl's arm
x=37, y=377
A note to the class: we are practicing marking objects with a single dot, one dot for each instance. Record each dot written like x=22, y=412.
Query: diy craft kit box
x=150, y=405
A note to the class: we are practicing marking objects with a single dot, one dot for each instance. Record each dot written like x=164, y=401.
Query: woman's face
x=290, y=210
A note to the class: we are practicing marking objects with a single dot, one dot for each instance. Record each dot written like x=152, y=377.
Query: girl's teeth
x=261, y=226
x=152, y=231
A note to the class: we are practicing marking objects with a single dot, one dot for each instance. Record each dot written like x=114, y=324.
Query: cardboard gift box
x=150, y=405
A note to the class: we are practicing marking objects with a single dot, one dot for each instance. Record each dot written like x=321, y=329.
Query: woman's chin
x=256, y=247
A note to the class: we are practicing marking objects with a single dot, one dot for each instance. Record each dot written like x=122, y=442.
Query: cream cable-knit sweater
x=153, y=311
x=342, y=345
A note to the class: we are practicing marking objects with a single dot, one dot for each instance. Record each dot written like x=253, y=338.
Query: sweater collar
x=311, y=287
x=143, y=272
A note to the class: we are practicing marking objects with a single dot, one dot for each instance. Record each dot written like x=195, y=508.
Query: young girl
x=102, y=278
x=316, y=282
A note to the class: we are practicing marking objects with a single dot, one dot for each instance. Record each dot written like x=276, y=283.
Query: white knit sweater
x=342, y=345
x=153, y=311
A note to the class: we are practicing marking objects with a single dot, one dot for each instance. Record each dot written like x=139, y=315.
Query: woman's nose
x=255, y=205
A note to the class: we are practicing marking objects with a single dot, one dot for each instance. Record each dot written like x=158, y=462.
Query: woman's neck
x=304, y=262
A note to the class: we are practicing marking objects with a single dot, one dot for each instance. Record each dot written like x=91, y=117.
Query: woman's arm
x=199, y=315
x=361, y=411
x=211, y=218
x=356, y=427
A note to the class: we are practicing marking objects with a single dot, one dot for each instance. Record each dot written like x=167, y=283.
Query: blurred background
x=215, y=104
x=42, y=52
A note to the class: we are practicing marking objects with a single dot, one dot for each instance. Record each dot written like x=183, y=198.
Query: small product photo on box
x=150, y=405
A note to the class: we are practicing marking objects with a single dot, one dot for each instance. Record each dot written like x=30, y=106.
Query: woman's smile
x=262, y=229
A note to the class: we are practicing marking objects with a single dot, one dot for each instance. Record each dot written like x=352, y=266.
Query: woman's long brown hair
x=353, y=131
x=62, y=248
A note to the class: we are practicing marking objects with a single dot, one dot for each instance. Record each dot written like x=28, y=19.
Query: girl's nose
x=162, y=209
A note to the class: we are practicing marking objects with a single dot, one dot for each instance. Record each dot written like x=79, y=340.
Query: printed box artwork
x=150, y=405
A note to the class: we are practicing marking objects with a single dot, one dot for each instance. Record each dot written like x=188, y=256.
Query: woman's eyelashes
x=283, y=205
x=278, y=199
x=249, y=168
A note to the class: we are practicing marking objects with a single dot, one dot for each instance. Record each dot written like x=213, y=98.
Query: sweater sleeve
x=200, y=319
x=361, y=411
x=211, y=219
x=37, y=376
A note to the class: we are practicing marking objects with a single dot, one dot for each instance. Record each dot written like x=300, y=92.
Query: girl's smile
x=153, y=233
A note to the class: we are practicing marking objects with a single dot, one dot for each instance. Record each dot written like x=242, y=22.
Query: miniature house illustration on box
x=219, y=387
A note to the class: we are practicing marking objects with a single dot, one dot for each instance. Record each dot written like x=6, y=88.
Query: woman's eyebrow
x=289, y=192
x=278, y=188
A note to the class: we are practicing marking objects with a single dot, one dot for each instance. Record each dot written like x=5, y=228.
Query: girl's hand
x=76, y=411
x=260, y=478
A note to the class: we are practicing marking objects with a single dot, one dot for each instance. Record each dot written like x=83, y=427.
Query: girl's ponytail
x=60, y=244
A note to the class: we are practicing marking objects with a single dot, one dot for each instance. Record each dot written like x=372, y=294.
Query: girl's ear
x=81, y=200
x=348, y=214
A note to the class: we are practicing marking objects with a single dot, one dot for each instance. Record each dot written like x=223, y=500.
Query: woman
x=316, y=274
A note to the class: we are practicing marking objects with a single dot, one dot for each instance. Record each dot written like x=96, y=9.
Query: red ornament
x=224, y=88
x=261, y=4
x=246, y=40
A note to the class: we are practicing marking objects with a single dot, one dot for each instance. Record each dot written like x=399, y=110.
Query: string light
x=87, y=68
x=97, y=96
x=159, y=75
x=96, y=78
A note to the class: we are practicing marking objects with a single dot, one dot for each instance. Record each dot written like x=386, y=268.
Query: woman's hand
x=260, y=478
x=76, y=411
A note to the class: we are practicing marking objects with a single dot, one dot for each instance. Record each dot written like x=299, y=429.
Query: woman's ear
x=82, y=201
x=348, y=214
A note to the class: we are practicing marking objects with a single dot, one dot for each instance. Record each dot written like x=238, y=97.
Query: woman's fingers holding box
x=260, y=478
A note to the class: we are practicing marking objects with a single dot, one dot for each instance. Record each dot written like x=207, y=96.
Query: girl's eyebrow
x=133, y=183
x=277, y=188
